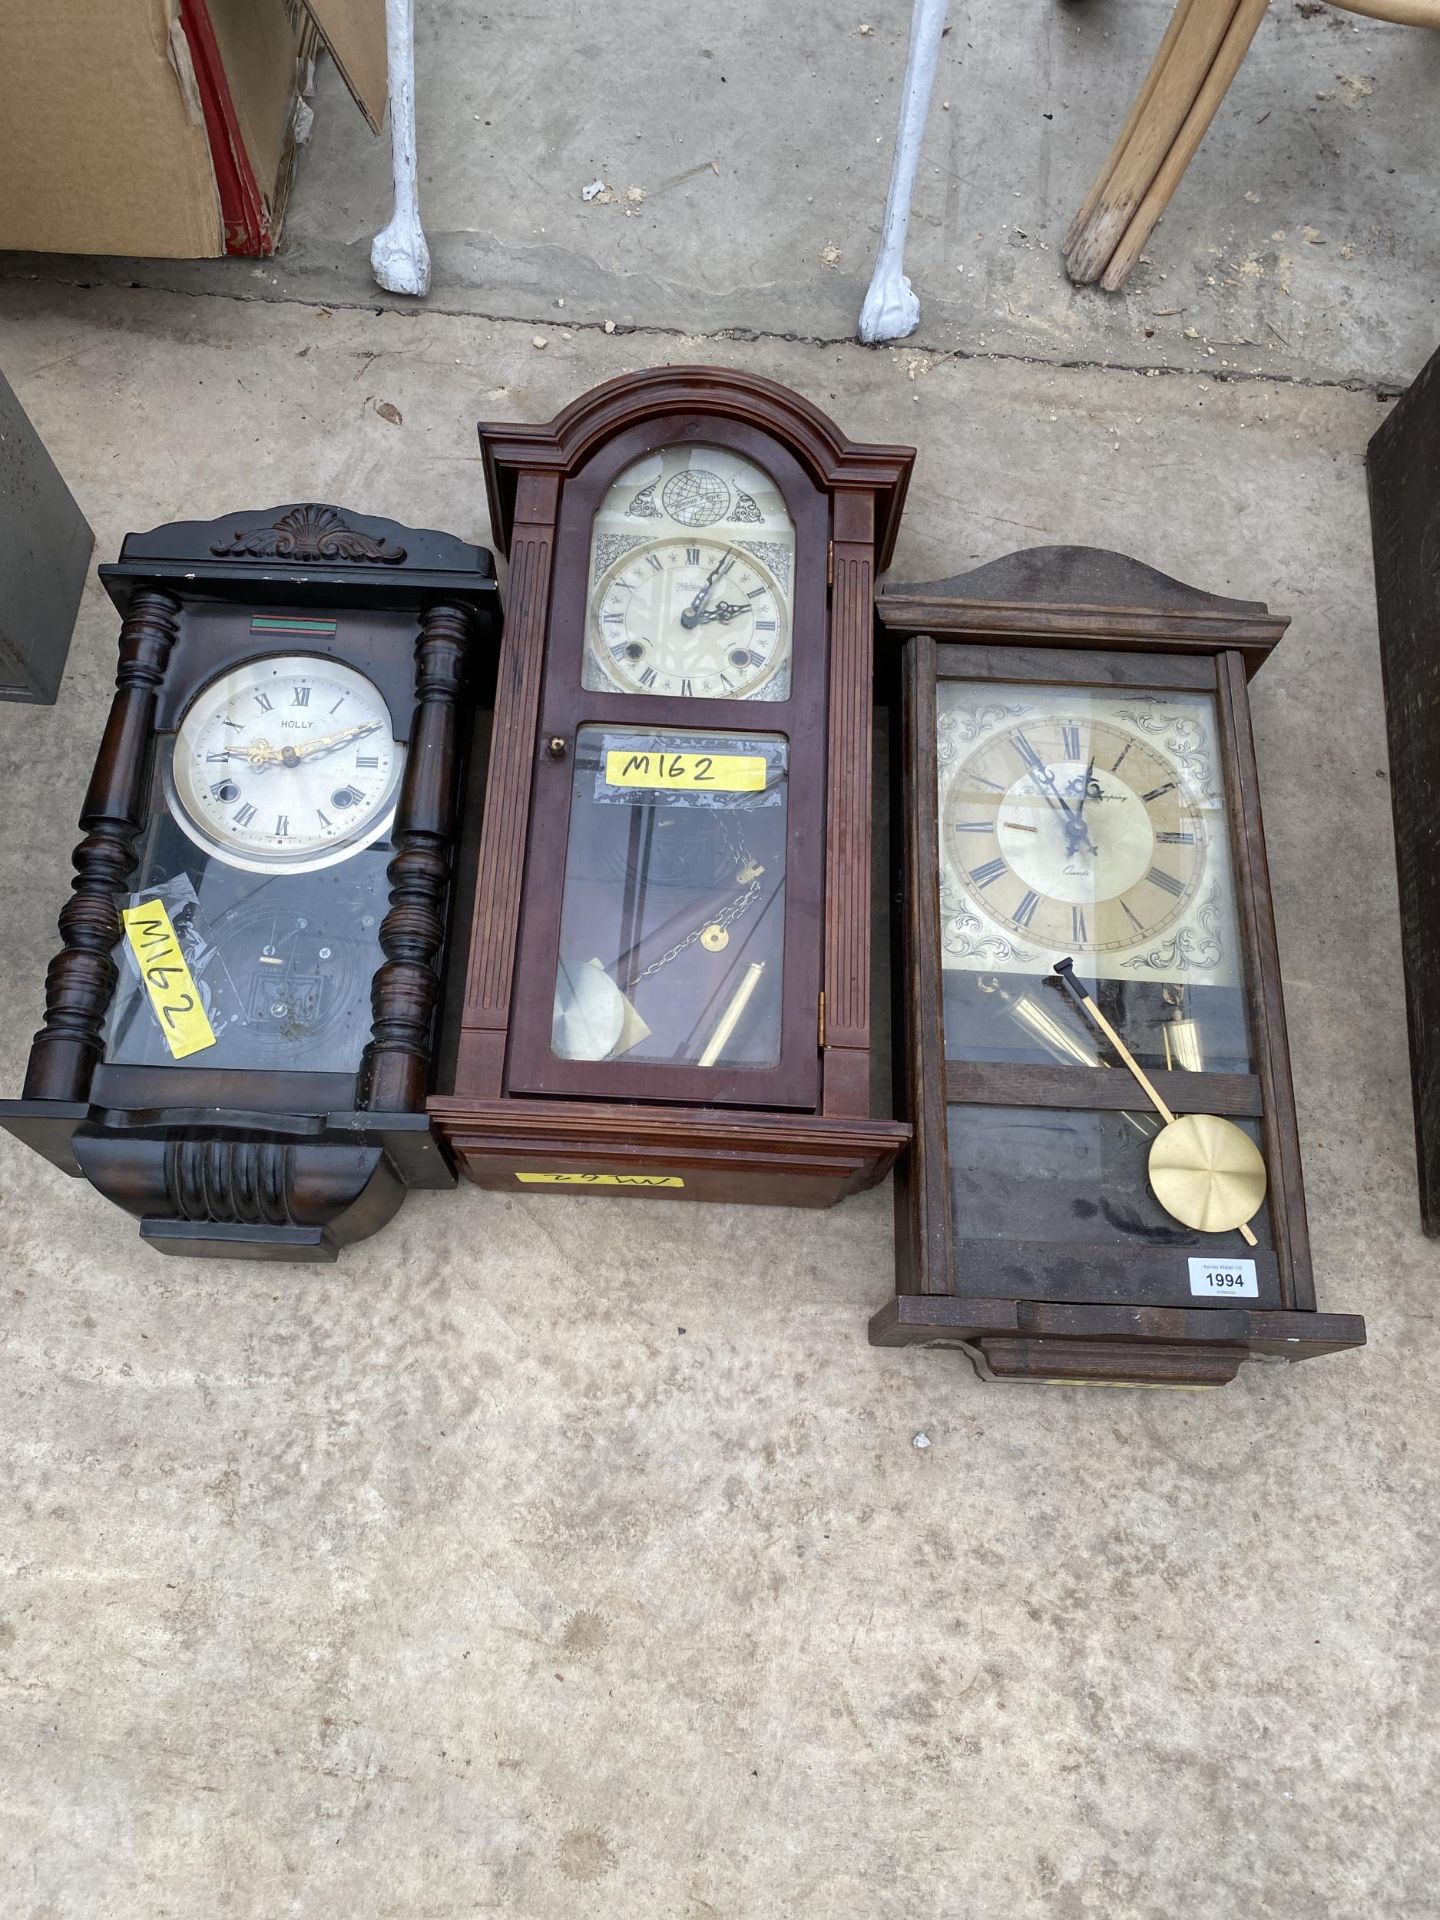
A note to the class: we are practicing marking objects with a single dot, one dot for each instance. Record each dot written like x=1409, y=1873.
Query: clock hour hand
x=725, y=610
x=255, y=753
x=694, y=614
x=259, y=754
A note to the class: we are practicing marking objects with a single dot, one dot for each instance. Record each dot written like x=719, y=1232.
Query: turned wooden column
x=395, y=1070
x=82, y=976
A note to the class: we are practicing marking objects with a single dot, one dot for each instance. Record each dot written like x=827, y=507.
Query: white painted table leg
x=891, y=309
x=399, y=257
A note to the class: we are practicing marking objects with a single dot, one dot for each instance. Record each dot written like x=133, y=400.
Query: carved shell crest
x=308, y=533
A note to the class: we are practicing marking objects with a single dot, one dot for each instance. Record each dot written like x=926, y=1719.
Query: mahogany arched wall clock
x=668, y=987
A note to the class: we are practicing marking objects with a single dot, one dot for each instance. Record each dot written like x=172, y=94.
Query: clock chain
x=746, y=870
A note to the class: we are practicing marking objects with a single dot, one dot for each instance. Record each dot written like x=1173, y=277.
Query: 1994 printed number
x=1236, y=1279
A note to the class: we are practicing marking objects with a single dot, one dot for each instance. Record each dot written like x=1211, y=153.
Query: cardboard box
x=166, y=128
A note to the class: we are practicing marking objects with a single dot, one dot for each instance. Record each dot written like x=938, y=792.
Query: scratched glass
x=281, y=963
x=1067, y=1177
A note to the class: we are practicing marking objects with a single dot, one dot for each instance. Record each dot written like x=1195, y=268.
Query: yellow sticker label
x=183, y=1020
x=687, y=772
x=600, y=1179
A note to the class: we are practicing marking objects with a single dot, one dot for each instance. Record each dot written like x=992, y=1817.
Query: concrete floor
x=1302, y=242
x=561, y=1557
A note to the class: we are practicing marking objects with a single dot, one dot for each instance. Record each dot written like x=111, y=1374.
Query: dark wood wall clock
x=1404, y=468
x=669, y=973
x=1105, y=1177
x=239, y=1025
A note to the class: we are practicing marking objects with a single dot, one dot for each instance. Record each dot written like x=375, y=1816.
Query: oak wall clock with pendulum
x=1105, y=1178
x=668, y=982
x=240, y=1024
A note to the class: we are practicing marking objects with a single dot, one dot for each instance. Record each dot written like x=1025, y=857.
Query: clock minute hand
x=1045, y=781
x=694, y=614
x=329, y=740
x=1076, y=832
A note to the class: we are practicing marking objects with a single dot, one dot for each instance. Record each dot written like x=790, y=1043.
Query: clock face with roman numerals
x=286, y=764
x=697, y=618
x=1078, y=832
x=692, y=575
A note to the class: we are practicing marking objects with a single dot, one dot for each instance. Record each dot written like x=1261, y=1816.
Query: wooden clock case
x=806, y=1136
x=267, y=1164
x=1403, y=463
x=1074, y=616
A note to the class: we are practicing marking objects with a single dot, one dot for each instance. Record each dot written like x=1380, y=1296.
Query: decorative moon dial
x=695, y=617
x=1074, y=833
x=286, y=764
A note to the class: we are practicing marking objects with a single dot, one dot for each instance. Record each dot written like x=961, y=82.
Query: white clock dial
x=692, y=572
x=695, y=618
x=286, y=764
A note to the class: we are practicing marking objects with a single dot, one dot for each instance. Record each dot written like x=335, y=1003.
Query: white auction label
x=1222, y=1277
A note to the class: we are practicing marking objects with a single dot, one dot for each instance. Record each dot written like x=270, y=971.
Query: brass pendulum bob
x=1206, y=1172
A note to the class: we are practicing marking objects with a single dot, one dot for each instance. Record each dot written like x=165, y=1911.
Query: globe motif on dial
x=696, y=497
x=1075, y=834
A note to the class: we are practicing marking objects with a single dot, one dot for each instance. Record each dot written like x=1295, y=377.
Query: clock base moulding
x=1036, y=1340
x=242, y=1063
x=765, y=1159
x=1074, y=779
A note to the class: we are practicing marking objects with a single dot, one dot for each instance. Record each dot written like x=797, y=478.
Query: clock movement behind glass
x=669, y=972
x=239, y=1026
x=1105, y=1176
